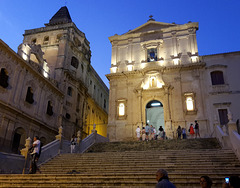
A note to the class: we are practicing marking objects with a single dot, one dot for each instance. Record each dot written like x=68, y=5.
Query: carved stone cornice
x=157, y=68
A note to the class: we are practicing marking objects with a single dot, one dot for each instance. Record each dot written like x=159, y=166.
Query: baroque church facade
x=157, y=77
x=50, y=83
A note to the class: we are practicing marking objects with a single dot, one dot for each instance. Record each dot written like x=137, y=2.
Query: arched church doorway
x=155, y=114
x=18, y=140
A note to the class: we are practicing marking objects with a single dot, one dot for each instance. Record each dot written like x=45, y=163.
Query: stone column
x=139, y=94
x=114, y=53
x=192, y=40
x=174, y=44
x=167, y=109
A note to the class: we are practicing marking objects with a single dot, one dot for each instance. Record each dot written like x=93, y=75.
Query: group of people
x=193, y=131
x=150, y=133
x=205, y=181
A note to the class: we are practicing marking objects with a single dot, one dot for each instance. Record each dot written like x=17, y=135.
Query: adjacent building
x=50, y=83
x=157, y=77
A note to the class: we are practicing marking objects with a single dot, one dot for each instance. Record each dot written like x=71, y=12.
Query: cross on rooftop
x=151, y=18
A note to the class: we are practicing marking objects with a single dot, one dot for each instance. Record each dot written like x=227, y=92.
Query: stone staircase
x=134, y=164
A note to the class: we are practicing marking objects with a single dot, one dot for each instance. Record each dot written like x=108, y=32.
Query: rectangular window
x=121, y=109
x=152, y=54
x=223, y=117
x=190, y=104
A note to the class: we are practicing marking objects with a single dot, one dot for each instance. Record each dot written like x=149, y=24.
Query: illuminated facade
x=52, y=83
x=68, y=56
x=157, y=77
x=30, y=103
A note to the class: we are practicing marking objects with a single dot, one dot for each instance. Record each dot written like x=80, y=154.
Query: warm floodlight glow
x=145, y=85
x=176, y=61
x=46, y=70
x=143, y=65
x=156, y=104
x=159, y=84
x=45, y=74
x=113, y=69
x=161, y=62
x=121, y=109
x=194, y=59
x=189, y=103
x=24, y=56
x=130, y=67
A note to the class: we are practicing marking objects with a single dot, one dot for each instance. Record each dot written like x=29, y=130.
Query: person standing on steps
x=138, y=133
x=184, y=136
x=196, y=129
x=35, y=154
x=73, y=143
x=161, y=133
x=163, y=180
x=151, y=133
x=191, y=131
x=179, y=132
x=143, y=134
x=147, y=130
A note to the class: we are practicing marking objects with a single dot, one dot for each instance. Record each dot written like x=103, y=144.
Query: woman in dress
x=191, y=130
x=138, y=133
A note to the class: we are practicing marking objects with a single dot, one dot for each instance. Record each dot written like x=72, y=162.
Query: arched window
x=217, y=78
x=34, y=40
x=74, y=62
x=49, y=108
x=189, y=103
x=59, y=36
x=69, y=91
x=29, y=97
x=3, y=78
x=46, y=40
x=121, y=111
x=18, y=140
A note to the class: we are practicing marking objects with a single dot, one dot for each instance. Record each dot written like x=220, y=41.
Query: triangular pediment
x=151, y=26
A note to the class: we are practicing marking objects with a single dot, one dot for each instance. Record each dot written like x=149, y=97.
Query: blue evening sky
x=219, y=22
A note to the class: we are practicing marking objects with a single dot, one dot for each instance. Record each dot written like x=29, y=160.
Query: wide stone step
x=105, y=182
x=97, y=181
x=134, y=164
